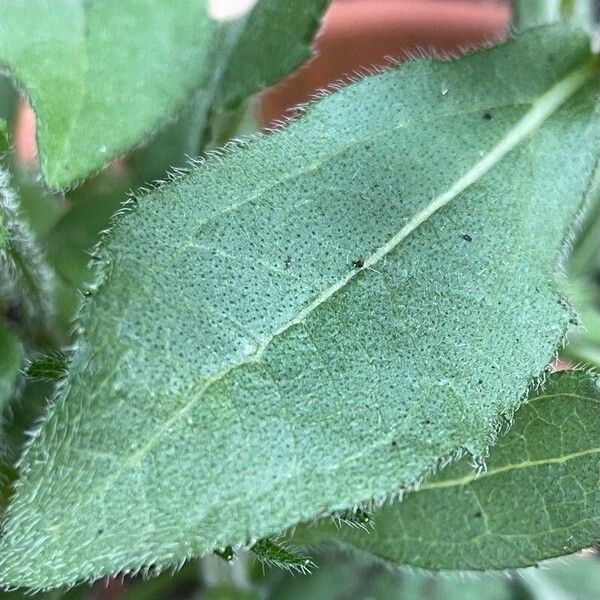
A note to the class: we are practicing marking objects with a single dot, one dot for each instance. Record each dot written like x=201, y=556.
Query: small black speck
x=426, y=422
x=287, y=262
x=487, y=116
x=358, y=263
x=100, y=531
x=478, y=514
x=480, y=382
x=394, y=443
x=466, y=237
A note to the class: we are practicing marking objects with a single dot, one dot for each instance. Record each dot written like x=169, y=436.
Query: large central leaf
x=316, y=318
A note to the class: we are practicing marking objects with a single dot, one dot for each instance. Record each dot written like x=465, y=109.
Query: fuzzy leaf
x=26, y=282
x=279, y=555
x=102, y=75
x=47, y=367
x=314, y=319
x=539, y=498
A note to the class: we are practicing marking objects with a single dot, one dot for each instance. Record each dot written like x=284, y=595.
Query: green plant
x=278, y=348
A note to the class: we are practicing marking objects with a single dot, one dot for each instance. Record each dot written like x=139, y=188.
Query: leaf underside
x=316, y=318
x=538, y=498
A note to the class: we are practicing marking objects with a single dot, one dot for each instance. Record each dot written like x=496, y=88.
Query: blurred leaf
x=538, y=498
x=8, y=100
x=26, y=282
x=531, y=13
x=583, y=286
x=78, y=593
x=11, y=355
x=102, y=76
x=231, y=385
x=226, y=592
x=575, y=578
x=356, y=577
x=182, y=584
x=266, y=32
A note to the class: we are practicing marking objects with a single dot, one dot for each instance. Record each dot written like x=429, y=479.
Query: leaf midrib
x=541, y=109
x=525, y=464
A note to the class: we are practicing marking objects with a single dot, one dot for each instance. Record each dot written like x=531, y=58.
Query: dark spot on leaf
x=394, y=443
x=358, y=263
x=478, y=514
x=487, y=116
x=480, y=382
x=466, y=237
x=287, y=262
x=100, y=531
x=426, y=422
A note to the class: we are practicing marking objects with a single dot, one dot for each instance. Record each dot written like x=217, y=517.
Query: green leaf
x=316, y=318
x=26, y=282
x=357, y=577
x=101, y=76
x=260, y=44
x=538, y=498
x=574, y=578
x=276, y=554
x=11, y=355
x=529, y=13
x=47, y=367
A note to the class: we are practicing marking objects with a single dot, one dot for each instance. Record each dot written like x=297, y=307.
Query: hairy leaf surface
x=102, y=75
x=317, y=317
x=538, y=498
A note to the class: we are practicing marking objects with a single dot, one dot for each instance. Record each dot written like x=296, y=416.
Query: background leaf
x=101, y=76
x=538, y=498
x=26, y=282
x=356, y=577
x=11, y=355
x=317, y=318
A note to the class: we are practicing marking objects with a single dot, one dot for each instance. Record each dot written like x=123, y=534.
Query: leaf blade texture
x=538, y=498
x=275, y=320
x=102, y=76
